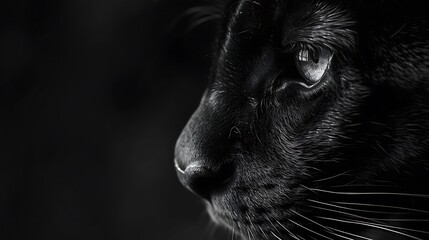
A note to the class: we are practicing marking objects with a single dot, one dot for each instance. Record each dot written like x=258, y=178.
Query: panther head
x=315, y=121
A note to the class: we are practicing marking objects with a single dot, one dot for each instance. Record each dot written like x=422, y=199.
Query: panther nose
x=202, y=178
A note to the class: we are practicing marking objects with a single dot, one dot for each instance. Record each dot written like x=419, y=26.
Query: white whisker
x=314, y=232
x=308, y=219
x=201, y=21
x=350, y=234
x=268, y=219
x=251, y=225
x=363, y=185
x=401, y=228
x=318, y=224
x=344, y=213
x=385, y=228
x=370, y=193
x=341, y=236
x=275, y=235
x=351, y=209
x=402, y=219
x=248, y=234
x=383, y=206
x=263, y=233
x=287, y=230
x=332, y=177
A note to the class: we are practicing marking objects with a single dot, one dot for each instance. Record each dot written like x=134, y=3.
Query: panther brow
x=325, y=26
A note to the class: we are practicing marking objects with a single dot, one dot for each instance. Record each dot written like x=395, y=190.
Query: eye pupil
x=315, y=56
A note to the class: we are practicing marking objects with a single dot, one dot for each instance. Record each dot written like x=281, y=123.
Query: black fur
x=346, y=159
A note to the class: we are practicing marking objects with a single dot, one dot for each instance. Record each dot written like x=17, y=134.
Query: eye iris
x=312, y=65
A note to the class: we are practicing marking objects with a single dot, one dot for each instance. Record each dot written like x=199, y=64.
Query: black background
x=93, y=94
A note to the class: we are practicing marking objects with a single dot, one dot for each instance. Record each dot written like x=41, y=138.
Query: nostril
x=200, y=179
x=203, y=179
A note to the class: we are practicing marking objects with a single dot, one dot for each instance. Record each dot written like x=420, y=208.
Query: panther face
x=315, y=122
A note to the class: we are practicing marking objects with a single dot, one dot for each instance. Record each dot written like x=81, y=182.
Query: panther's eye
x=313, y=64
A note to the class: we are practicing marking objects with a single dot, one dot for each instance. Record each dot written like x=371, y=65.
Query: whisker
x=363, y=185
x=370, y=193
x=383, y=206
x=402, y=219
x=263, y=233
x=248, y=234
x=402, y=228
x=275, y=235
x=201, y=10
x=396, y=227
x=200, y=21
x=251, y=224
x=353, y=209
x=233, y=233
x=344, y=213
x=318, y=224
x=268, y=219
x=371, y=225
x=314, y=232
x=210, y=229
x=308, y=219
x=299, y=237
x=314, y=169
x=350, y=234
x=341, y=236
x=256, y=3
x=332, y=177
x=288, y=231
x=198, y=12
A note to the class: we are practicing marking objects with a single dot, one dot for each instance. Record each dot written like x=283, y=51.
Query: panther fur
x=280, y=149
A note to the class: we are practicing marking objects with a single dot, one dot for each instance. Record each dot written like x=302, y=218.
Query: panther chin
x=315, y=121
x=234, y=212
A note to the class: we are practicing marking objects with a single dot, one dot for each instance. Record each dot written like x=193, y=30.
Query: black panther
x=315, y=121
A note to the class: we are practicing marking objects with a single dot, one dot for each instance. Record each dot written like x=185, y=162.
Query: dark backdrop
x=93, y=94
